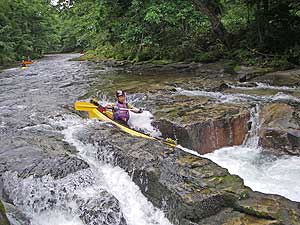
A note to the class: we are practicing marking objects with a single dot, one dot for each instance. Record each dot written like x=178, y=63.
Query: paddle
x=84, y=106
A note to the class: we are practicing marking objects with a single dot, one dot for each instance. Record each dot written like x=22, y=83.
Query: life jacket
x=121, y=114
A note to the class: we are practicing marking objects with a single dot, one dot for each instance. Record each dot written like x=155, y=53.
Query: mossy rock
x=3, y=217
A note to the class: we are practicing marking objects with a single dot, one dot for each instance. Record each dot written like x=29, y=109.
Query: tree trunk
x=217, y=26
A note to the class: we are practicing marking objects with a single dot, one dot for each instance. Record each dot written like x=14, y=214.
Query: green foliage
x=26, y=29
x=153, y=30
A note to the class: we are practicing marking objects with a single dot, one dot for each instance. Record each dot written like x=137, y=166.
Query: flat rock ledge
x=190, y=190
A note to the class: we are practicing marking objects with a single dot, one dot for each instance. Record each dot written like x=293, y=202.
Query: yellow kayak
x=93, y=112
x=24, y=67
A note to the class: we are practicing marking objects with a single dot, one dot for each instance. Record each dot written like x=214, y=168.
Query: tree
x=212, y=9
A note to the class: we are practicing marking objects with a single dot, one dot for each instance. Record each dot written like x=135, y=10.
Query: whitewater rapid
x=260, y=171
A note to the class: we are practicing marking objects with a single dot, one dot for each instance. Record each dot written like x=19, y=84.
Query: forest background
x=249, y=32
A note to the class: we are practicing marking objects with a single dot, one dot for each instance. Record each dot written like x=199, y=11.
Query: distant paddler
x=23, y=64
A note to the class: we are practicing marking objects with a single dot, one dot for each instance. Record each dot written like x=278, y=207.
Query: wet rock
x=222, y=87
x=3, y=217
x=280, y=128
x=75, y=194
x=282, y=78
x=245, y=73
x=56, y=166
x=16, y=216
x=233, y=217
x=104, y=210
x=205, y=129
x=28, y=161
x=190, y=190
x=271, y=206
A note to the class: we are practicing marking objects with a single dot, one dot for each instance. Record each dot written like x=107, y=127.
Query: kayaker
x=23, y=64
x=121, y=108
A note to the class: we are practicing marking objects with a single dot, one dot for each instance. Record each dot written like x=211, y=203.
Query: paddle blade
x=84, y=106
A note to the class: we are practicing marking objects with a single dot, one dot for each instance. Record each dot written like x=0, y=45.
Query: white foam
x=237, y=98
x=260, y=172
x=260, y=85
x=136, y=208
x=143, y=122
x=56, y=217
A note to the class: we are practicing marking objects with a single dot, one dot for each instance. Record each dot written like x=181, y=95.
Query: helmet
x=120, y=93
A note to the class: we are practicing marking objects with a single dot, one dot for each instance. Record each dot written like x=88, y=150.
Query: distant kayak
x=27, y=62
x=104, y=115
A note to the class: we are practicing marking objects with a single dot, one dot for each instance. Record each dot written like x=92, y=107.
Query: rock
x=16, y=216
x=104, y=210
x=42, y=194
x=3, y=217
x=222, y=87
x=280, y=129
x=281, y=78
x=205, y=129
x=271, y=206
x=246, y=73
x=40, y=164
x=231, y=217
x=190, y=190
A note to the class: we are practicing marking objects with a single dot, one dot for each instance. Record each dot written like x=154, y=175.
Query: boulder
x=104, y=210
x=204, y=128
x=280, y=128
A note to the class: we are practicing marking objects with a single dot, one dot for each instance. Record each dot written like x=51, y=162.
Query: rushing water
x=135, y=207
x=35, y=115
x=238, y=98
x=260, y=171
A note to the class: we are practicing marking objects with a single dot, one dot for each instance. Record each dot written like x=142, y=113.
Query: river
x=35, y=117
x=38, y=121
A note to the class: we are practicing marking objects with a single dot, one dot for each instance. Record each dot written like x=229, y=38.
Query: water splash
x=261, y=172
x=135, y=207
x=143, y=122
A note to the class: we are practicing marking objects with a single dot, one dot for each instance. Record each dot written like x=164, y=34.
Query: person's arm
x=134, y=109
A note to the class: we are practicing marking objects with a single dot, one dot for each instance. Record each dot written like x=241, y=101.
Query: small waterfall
x=136, y=208
x=251, y=141
x=261, y=171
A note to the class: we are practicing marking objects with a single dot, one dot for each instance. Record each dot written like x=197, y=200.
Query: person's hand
x=116, y=108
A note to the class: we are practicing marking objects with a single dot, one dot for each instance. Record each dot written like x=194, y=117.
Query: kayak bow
x=102, y=115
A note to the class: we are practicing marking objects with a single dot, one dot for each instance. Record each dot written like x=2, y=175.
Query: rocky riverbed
x=56, y=168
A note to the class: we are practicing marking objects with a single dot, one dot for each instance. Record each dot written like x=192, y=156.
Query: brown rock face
x=280, y=129
x=207, y=136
